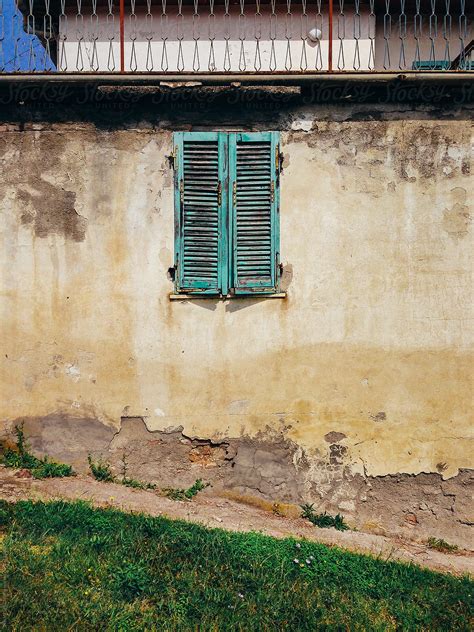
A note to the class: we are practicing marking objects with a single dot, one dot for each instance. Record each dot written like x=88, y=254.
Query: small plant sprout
x=132, y=482
x=135, y=484
x=186, y=494
x=438, y=544
x=20, y=458
x=323, y=520
x=100, y=470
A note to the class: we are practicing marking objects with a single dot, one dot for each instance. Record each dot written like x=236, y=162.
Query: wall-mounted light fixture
x=314, y=34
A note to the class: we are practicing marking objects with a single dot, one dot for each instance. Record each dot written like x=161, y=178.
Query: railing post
x=122, y=35
x=331, y=9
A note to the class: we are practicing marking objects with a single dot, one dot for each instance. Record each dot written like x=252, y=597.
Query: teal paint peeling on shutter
x=254, y=208
x=200, y=212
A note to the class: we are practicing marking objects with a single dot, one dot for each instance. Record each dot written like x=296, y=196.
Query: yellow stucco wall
x=374, y=339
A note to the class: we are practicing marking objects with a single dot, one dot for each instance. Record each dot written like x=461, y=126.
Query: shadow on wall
x=242, y=302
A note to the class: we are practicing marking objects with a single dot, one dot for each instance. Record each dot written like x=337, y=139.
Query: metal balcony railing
x=235, y=37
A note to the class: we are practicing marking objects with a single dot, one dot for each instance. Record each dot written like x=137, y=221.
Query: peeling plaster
x=269, y=466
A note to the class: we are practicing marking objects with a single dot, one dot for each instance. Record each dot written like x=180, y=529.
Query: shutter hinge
x=279, y=265
x=234, y=193
x=181, y=190
x=176, y=273
x=174, y=158
x=272, y=191
x=278, y=160
x=219, y=193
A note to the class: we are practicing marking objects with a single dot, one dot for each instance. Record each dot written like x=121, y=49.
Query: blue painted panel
x=20, y=51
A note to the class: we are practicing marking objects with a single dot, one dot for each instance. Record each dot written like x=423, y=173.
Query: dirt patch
x=212, y=510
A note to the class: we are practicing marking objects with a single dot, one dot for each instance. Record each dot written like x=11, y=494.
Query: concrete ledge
x=261, y=78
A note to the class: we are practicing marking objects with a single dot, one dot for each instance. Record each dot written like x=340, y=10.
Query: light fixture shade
x=314, y=34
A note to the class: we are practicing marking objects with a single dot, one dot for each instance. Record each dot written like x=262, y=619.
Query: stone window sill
x=232, y=297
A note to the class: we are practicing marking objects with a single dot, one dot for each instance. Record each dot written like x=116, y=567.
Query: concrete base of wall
x=268, y=466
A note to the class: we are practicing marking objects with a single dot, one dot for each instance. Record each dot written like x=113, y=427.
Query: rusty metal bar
x=330, y=26
x=122, y=35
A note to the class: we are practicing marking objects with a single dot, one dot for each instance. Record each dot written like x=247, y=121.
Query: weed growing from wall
x=186, y=494
x=20, y=457
x=100, y=470
x=438, y=544
x=132, y=482
x=323, y=520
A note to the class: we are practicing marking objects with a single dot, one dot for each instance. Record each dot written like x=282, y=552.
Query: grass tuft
x=323, y=520
x=133, y=482
x=100, y=470
x=438, y=544
x=19, y=457
x=186, y=494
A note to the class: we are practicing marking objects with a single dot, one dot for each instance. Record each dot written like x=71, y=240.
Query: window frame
x=227, y=272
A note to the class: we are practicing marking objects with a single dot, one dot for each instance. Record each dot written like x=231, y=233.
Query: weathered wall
x=354, y=392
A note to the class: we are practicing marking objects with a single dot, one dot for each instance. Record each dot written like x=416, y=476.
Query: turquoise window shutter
x=254, y=210
x=201, y=193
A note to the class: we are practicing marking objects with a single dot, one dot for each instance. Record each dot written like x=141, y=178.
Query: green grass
x=67, y=566
x=20, y=457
